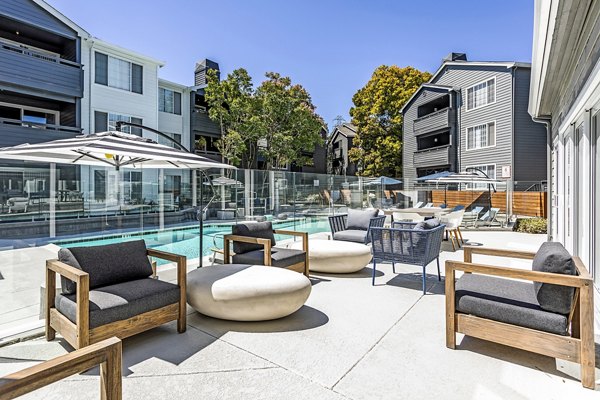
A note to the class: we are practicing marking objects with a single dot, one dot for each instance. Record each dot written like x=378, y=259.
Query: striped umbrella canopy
x=116, y=149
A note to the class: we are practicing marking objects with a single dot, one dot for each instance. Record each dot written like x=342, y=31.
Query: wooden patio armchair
x=568, y=335
x=254, y=244
x=110, y=291
x=107, y=354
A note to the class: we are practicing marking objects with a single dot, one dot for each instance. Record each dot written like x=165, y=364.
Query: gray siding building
x=474, y=114
x=41, y=76
x=338, y=145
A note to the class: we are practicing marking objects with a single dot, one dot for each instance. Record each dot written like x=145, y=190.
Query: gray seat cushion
x=121, y=301
x=360, y=219
x=351, y=235
x=108, y=264
x=507, y=301
x=253, y=229
x=279, y=257
x=553, y=257
x=427, y=224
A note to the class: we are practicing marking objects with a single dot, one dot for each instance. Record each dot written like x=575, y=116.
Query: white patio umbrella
x=111, y=148
x=116, y=149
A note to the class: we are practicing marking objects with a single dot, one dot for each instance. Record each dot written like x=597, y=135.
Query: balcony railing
x=36, y=69
x=432, y=157
x=432, y=122
x=15, y=132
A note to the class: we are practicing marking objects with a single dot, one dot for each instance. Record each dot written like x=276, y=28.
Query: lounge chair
x=553, y=315
x=458, y=207
x=254, y=244
x=418, y=205
x=356, y=225
x=108, y=291
x=472, y=216
x=428, y=205
x=488, y=218
x=408, y=243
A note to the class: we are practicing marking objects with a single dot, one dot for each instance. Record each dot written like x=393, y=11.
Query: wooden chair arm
x=71, y=273
x=516, y=273
x=107, y=354
x=290, y=233
x=470, y=250
x=164, y=255
x=247, y=239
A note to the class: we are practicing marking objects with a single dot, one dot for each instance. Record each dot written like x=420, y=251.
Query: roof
x=429, y=86
x=62, y=18
x=126, y=52
x=345, y=129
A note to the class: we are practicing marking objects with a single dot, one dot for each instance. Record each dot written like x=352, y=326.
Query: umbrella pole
x=199, y=216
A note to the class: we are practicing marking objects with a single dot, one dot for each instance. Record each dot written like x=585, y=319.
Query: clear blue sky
x=330, y=47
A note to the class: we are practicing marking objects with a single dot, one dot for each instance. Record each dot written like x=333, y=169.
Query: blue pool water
x=185, y=241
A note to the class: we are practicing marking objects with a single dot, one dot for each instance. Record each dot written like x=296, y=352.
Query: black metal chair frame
x=338, y=223
x=388, y=246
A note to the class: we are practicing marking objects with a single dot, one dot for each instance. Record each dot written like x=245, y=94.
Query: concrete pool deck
x=350, y=341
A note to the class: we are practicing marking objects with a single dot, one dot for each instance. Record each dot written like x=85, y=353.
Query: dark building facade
x=338, y=145
x=41, y=76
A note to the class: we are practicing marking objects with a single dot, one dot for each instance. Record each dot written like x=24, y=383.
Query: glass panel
x=119, y=73
x=596, y=190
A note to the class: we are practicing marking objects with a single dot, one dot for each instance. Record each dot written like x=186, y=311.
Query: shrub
x=531, y=225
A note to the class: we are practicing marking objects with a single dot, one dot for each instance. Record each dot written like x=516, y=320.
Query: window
x=489, y=170
x=29, y=116
x=169, y=101
x=117, y=73
x=481, y=94
x=481, y=136
x=108, y=122
x=167, y=142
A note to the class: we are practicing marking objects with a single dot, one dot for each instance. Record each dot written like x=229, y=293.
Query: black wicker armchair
x=355, y=226
x=407, y=243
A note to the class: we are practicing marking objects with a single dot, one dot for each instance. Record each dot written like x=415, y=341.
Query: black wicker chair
x=406, y=245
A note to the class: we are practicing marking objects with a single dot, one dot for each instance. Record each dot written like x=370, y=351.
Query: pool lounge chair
x=418, y=205
x=488, y=218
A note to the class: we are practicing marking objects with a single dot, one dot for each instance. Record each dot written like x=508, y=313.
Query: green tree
x=276, y=121
x=377, y=147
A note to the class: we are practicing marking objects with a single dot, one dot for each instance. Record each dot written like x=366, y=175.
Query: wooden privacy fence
x=531, y=204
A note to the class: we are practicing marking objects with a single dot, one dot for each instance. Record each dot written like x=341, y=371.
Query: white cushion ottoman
x=336, y=256
x=240, y=292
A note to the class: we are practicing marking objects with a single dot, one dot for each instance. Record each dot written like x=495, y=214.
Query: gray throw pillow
x=110, y=264
x=553, y=257
x=253, y=229
x=67, y=285
x=360, y=219
x=427, y=224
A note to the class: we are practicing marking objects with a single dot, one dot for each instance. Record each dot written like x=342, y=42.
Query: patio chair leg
x=393, y=267
x=438, y=265
x=460, y=234
x=424, y=282
x=451, y=238
x=374, y=271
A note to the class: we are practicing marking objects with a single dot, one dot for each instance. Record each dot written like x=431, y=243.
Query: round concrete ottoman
x=246, y=292
x=336, y=256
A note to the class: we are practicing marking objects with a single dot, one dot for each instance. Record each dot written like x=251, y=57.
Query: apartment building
x=338, y=145
x=473, y=114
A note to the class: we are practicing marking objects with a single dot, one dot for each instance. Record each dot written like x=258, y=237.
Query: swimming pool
x=185, y=240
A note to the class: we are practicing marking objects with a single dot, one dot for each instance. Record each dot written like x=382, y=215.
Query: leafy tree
x=376, y=114
x=276, y=121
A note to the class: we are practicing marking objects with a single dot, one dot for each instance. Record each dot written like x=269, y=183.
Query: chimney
x=202, y=68
x=455, y=57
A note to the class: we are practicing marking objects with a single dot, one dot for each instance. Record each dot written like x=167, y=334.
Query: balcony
x=430, y=157
x=27, y=69
x=337, y=153
x=15, y=132
x=432, y=122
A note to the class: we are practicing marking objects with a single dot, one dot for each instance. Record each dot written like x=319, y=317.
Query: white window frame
x=172, y=111
x=477, y=84
x=487, y=124
x=108, y=85
x=127, y=129
x=478, y=186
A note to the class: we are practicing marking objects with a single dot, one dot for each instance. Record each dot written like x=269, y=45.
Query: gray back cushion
x=253, y=229
x=360, y=219
x=108, y=264
x=553, y=257
x=427, y=224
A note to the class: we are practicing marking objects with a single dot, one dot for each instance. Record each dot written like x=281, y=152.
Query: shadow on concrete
x=363, y=273
x=414, y=281
x=305, y=318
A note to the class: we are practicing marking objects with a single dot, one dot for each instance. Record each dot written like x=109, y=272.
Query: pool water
x=185, y=241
